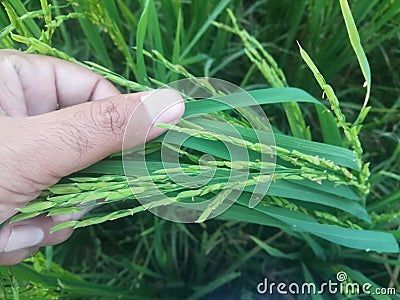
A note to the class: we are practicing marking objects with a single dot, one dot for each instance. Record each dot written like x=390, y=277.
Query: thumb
x=70, y=139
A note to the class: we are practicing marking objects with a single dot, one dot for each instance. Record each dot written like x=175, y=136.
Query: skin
x=57, y=118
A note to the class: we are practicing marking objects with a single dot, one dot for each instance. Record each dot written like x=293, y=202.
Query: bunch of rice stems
x=317, y=188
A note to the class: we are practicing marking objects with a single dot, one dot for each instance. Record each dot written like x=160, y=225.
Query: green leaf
x=357, y=239
x=246, y=214
x=318, y=249
x=200, y=31
x=157, y=39
x=264, y=96
x=140, y=37
x=330, y=130
x=309, y=279
x=358, y=49
x=94, y=38
x=74, y=284
x=298, y=222
x=215, y=284
x=273, y=251
x=287, y=189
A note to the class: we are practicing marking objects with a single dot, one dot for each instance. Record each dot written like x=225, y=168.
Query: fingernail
x=24, y=236
x=158, y=106
x=163, y=106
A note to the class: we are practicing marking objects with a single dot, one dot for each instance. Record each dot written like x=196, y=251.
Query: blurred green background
x=146, y=257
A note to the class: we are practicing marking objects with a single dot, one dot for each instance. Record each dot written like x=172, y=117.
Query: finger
x=42, y=149
x=76, y=137
x=12, y=100
x=19, y=236
x=35, y=84
x=31, y=232
x=17, y=240
x=15, y=257
x=2, y=112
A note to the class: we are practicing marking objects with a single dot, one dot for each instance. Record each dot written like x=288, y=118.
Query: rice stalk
x=272, y=73
x=351, y=133
x=165, y=258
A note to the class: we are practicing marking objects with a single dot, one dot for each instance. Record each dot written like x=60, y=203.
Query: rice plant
x=318, y=206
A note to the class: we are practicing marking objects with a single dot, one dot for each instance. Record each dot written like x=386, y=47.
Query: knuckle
x=13, y=59
x=109, y=118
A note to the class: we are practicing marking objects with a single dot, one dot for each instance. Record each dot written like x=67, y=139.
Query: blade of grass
x=17, y=8
x=112, y=10
x=329, y=128
x=156, y=40
x=177, y=43
x=94, y=38
x=269, y=68
x=350, y=133
x=264, y=96
x=357, y=239
x=213, y=285
x=309, y=278
x=214, y=14
x=141, y=30
x=273, y=251
x=361, y=57
x=75, y=285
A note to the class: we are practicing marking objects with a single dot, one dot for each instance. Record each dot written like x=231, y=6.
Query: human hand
x=40, y=144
